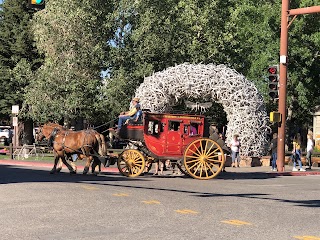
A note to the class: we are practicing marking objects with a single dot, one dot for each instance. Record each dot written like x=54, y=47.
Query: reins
x=107, y=123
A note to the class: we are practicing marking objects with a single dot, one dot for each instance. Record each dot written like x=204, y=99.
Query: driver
x=124, y=116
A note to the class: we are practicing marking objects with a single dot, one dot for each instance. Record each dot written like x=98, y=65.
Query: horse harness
x=56, y=131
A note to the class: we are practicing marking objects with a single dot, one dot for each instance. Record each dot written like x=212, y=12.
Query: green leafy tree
x=304, y=65
x=72, y=35
x=150, y=36
x=242, y=34
x=18, y=55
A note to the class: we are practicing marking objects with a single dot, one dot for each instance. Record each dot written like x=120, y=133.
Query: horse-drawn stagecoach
x=182, y=138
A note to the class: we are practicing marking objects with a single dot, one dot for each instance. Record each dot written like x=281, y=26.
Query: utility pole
x=285, y=24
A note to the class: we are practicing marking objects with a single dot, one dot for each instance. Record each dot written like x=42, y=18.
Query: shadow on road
x=10, y=174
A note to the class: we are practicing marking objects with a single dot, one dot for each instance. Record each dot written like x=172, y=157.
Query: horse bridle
x=51, y=137
x=40, y=132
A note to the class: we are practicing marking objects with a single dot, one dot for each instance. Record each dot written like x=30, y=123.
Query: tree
x=150, y=36
x=18, y=55
x=153, y=35
x=72, y=35
x=304, y=65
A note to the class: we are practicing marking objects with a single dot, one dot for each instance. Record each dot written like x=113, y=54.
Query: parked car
x=5, y=132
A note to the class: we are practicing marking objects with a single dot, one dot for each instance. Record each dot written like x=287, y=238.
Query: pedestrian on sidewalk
x=273, y=148
x=296, y=153
x=235, y=149
x=310, y=146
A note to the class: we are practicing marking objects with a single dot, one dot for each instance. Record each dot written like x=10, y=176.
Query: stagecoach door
x=174, y=137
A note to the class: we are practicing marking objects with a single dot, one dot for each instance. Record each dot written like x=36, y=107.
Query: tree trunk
x=79, y=124
x=27, y=136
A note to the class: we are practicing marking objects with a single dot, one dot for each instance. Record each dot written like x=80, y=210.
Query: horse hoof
x=58, y=170
x=73, y=172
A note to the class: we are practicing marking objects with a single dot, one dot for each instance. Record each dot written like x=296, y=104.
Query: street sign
x=15, y=121
x=15, y=109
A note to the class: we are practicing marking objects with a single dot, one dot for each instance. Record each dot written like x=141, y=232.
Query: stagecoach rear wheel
x=131, y=163
x=203, y=159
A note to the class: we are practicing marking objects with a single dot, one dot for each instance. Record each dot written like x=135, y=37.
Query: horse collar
x=52, y=136
x=54, y=132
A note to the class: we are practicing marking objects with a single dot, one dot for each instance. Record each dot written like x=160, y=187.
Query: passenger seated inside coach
x=193, y=129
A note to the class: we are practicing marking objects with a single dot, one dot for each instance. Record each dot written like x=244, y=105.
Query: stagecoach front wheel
x=131, y=163
x=203, y=159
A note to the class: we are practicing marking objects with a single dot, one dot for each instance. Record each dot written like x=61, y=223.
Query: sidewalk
x=114, y=169
x=267, y=169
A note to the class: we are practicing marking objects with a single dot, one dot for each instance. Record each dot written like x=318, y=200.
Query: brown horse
x=87, y=144
x=96, y=161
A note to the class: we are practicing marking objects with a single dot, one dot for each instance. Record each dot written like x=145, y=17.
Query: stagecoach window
x=194, y=128
x=154, y=127
x=174, y=126
x=185, y=129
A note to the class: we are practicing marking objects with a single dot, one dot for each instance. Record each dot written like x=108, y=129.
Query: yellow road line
x=89, y=187
x=307, y=237
x=236, y=222
x=151, y=202
x=120, y=194
x=186, y=211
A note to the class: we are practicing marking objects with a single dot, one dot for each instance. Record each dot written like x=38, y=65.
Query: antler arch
x=239, y=97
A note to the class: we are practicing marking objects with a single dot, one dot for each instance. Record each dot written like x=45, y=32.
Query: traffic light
x=36, y=4
x=273, y=78
x=275, y=117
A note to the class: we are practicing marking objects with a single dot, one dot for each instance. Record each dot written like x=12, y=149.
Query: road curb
x=306, y=173
x=252, y=171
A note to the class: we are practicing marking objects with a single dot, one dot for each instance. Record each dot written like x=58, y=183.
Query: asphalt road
x=37, y=205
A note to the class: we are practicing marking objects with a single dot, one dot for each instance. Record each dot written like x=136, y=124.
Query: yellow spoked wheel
x=203, y=159
x=131, y=163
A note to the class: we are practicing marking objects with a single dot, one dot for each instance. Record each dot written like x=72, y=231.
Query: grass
x=48, y=158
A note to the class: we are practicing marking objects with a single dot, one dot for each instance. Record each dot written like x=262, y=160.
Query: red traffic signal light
x=273, y=78
x=273, y=70
x=36, y=4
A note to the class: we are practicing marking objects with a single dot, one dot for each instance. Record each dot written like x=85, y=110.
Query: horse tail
x=101, y=144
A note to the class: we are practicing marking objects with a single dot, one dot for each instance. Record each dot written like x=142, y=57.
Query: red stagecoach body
x=167, y=135
x=170, y=136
